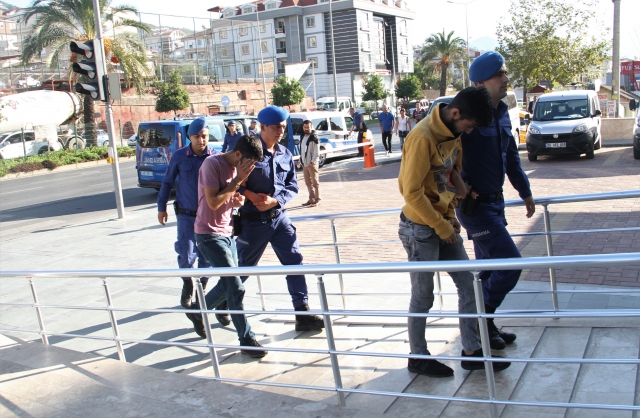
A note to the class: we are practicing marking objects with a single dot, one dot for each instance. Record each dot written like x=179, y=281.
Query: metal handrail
x=602, y=260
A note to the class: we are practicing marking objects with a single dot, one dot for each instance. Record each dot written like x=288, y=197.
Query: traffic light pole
x=115, y=168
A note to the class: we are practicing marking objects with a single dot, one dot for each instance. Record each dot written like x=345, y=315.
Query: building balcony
x=280, y=70
x=279, y=32
x=281, y=51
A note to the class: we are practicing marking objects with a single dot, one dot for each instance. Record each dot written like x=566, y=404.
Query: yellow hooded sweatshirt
x=428, y=157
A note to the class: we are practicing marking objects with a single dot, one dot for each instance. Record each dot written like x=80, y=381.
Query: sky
x=431, y=16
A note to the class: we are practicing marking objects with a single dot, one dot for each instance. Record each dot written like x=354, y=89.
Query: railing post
x=336, y=250
x=438, y=284
x=260, y=289
x=335, y=367
x=484, y=340
x=207, y=329
x=552, y=271
x=43, y=334
x=114, y=321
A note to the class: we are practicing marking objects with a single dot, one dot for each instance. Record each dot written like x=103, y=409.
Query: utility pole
x=264, y=81
x=115, y=168
x=615, y=79
x=333, y=54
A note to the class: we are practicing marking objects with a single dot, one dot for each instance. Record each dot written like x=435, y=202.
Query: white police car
x=332, y=129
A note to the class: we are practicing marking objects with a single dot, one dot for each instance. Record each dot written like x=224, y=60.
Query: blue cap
x=231, y=122
x=196, y=126
x=485, y=66
x=272, y=115
x=254, y=120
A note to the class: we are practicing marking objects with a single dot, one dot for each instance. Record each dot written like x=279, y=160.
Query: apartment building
x=165, y=42
x=371, y=36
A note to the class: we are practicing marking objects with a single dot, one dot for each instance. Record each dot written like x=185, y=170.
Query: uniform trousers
x=186, y=247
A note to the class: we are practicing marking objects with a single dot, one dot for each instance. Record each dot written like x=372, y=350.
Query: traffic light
x=91, y=67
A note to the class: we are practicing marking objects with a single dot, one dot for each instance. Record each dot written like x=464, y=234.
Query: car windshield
x=325, y=105
x=3, y=137
x=561, y=109
x=154, y=137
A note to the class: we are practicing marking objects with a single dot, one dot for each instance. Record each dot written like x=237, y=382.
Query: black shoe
x=224, y=319
x=253, y=353
x=198, y=325
x=308, y=322
x=499, y=339
x=187, y=293
x=479, y=365
x=431, y=368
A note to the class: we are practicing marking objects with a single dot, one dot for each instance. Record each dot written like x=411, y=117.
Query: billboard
x=632, y=69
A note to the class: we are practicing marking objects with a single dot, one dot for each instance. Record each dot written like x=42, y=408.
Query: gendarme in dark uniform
x=488, y=155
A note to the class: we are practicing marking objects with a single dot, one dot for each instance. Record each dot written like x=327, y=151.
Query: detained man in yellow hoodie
x=429, y=230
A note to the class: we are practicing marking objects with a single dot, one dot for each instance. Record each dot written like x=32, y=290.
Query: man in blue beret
x=269, y=187
x=488, y=155
x=231, y=137
x=186, y=163
x=253, y=128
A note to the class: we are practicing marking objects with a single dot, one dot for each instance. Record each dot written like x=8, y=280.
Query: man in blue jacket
x=387, y=123
x=186, y=163
x=488, y=154
x=231, y=137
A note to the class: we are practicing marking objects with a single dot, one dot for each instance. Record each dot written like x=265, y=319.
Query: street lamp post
x=466, y=22
x=333, y=54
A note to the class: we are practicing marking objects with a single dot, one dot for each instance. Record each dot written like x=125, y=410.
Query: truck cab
x=329, y=103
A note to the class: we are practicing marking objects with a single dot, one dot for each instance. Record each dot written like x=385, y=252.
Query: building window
x=264, y=46
x=314, y=61
x=230, y=13
x=364, y=21
x=311, y=42
x=245, y=49
x=271, y=6
x=247, y=10
x=243, y=30
x=224, y=52
x=226, y=71
x=323, y=1
x=246, y=68
x=263, y=27
x=366, y=42
x=223, y=34
x=311, y=21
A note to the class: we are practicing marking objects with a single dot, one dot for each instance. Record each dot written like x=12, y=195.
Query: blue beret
x=196, y=126
x=231, y=122
x=273, y=115
x=254, y=120
x=485, y=66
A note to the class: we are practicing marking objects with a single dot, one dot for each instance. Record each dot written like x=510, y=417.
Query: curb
x=68, y=167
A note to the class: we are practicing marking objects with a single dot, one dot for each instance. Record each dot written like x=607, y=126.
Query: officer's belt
x=489, y=197
x=259, y=216
x=182, y=211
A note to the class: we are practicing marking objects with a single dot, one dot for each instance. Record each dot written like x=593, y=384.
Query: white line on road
x=22, y=190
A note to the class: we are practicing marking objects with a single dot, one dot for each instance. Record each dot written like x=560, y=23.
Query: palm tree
x=446, y=49
x=59, y=22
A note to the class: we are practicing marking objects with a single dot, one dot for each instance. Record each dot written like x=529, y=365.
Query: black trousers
x=361, y=149
x=386, y=140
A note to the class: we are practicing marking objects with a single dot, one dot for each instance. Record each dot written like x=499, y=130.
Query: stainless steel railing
x=320, y=271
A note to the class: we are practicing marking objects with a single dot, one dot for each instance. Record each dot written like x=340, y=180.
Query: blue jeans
x=186, y=247
x=220, y=251
x=423, y=244
x=281, y=234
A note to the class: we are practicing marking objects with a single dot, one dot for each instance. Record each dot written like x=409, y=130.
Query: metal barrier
x=375, y=268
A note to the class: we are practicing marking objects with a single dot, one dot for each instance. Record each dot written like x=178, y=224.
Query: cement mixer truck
x=32, y=111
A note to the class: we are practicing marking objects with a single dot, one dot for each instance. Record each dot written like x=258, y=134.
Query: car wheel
x=636, y=153
x=532, y=157
x=43, y=150
x=321, y=158
x=597, y=144
x=590, y=155
x=75, y=143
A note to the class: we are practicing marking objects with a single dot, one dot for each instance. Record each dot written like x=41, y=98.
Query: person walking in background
x=403, y=126
x=218, y=182
x=490, y=153
x=386, y=122
x=231, y=137
x=418, y=113
x=359, y=126
x=309, y=155
x=186, y=163
x=429, y=230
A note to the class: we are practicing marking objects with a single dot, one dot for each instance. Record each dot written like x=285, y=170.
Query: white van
x=333, y=132
x=329, y=103
x=565, y=122
x=11, y=145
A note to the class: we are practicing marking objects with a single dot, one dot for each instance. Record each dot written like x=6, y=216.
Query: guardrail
x=374, y=268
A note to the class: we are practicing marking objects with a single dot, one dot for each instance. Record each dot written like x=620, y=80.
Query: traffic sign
x=225, y=101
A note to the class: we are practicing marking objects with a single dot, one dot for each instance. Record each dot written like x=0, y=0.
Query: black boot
x=497, y=338
x=308, y=322
x=224, y=319
x=187, y=293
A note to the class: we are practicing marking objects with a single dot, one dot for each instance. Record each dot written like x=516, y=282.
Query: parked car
x=102, y=138
x=11, y=145
x=565, y=122
x=374, y=113
x=333, y=132
x=28, y=82
x=132, y=141
x=636, y=140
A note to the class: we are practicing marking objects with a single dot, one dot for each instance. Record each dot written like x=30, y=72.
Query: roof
x=566, y=94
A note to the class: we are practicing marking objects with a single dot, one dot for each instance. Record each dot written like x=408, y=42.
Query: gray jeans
x=423, y=244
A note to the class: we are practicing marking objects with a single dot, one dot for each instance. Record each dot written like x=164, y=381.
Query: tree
x=171, y=96
x=552, y=40
x=287, y=91
x=409, y=87
x=62, y=21
x=445, y=49
x=374, y=89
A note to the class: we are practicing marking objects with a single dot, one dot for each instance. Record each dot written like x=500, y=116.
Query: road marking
x=22, y=190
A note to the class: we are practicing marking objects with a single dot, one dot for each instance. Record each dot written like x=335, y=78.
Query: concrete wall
x=617, y=129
